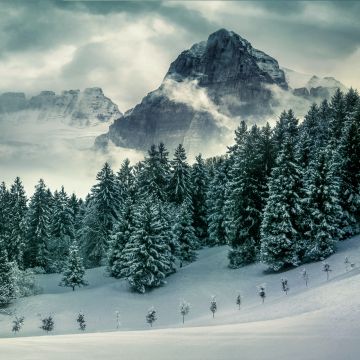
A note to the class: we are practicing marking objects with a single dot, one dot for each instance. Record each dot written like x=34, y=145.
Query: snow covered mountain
x=72, y=107
x=312, y=87
x=205, y=93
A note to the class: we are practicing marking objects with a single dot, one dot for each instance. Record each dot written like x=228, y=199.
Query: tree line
x=283, y=195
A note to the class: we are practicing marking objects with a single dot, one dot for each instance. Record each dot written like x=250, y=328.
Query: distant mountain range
x=72, y=107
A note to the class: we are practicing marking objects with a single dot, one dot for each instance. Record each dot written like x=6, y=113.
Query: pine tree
x=151, y=316
x=280, y=224
x=238, y=300
x=154, y=177
x=200, y=183
x=262, y=292
x=305, y=276
x=327, y=269
x=47, y=324
x=17, y=222
x=244, y=203
x=349, y=172
x=101, y=215
x=185, y=234
x=180, y=181
x=213, y=305
x=74, y=272
x=18, y=322
x=7, y=285
x=321, y=220
x=126, y=181
x=81, y=321
x=216, y=203
x=285, y=285
x=146, y=255
x=121, y=234
x=62, y=227
x=38, y=228
x=184, y=309
x=4, y=213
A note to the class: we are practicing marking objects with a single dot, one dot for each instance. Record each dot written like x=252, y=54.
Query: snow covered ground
x=318, y=322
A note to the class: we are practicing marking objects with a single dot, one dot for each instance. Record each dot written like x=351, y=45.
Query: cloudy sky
x=126, y=46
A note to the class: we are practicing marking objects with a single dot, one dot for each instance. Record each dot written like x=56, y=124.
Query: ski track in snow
x=318, y=322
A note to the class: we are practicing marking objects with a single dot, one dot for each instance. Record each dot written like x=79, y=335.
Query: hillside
x=306, y=317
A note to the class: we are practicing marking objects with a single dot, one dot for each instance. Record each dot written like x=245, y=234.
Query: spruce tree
x=17, y=222
x=126, y=181
x=216, y=203
x=180, y=180
x=74, y=271
x=185, y=234
x=349, y=172
x=322, y=217
x=62, y=227
x=200, y=183
x=38, y=228
x=154, y=177
x=280, y=224
x=101, y=214
x=245, y=193
x=7, y=285
x=121, y=235
x=146, y=255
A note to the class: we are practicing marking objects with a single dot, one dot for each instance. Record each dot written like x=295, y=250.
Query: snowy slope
x=322, y=321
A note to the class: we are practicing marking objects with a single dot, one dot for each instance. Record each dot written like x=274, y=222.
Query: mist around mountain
x=208, y=90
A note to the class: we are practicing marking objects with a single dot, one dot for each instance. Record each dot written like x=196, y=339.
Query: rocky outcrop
x=72, y=107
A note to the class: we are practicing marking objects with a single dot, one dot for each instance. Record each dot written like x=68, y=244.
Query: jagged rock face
x=235, y=77
x=72, y=107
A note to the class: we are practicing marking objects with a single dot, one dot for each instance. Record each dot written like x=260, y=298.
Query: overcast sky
x=126, y=47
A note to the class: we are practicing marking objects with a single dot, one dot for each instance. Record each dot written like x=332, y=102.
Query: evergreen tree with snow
x=200, y=183
x=327, y=269
x=280, y=223
x=180, y=180
x=4, y=212
x=213, y=305
x=321, y=220
x=81, y=322
x=146, y=255
x=262, y=292
x=154, y=177
x=18, y=322
x=47, y=324
x=151, y=316
x=7, y=285
x=245, y=193
x=216, y=199
x=238, y=300
x=74, y=272
x=126, y=181
x=121, y=235
x=102, y=213
x=62, y=227
x=349, y=172
x=305, y=276
x=285, y=285
x=38, y=228
x=185, y=234
x=17, y=222
x=184, y=309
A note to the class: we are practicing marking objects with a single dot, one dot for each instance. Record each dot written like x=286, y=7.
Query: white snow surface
x=318, y=322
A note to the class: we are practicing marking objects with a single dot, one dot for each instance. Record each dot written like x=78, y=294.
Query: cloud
x=60, y=154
